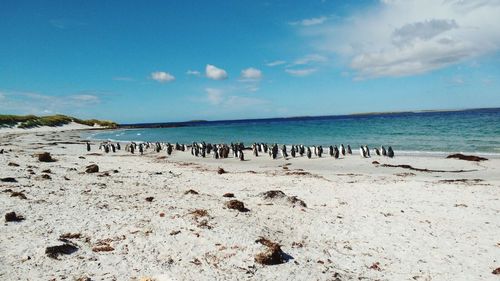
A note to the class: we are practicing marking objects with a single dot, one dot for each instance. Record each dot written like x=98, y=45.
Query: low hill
x=32, y=121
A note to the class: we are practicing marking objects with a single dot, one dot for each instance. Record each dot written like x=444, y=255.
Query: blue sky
x=153, y=61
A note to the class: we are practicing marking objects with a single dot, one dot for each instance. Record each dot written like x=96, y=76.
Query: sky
x=167, y=61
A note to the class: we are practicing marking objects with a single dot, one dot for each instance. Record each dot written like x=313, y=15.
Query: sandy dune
x=134, y=219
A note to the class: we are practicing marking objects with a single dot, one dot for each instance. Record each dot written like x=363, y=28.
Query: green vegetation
x=30, y=121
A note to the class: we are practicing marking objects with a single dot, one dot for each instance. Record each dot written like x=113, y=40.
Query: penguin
x=292, y=151
x=118, y=146
x=315, y=151
x=349, y=150
x=169, y=149
x=320, y=151
x=113, y=148
x=330, y=150
x=88, y=146
x=336, y=152
x=132, y=149
x=216, y=154
x=377, y=151
x=309, y=152
x=390, y=152
x=301, y=150
x=342, y=150
x=141, y=149
x=362, y=152
x=367, y=151
x=256, y=150
x=384, y=153
x=283, y=151
x=203, y=153
x=241, y=156
x=106, y=148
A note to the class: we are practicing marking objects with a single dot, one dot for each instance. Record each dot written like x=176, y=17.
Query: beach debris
x=221, y=171
x=496, y=271
x=272, y=255
x=228, y=195
x=465, y=181
x=375, y=266
x=297, y=244
x=461, y=205
x=12, y=216
x=204, y=224
x=70, y=235
x=236, y=205
x=271, y=194
x=198, y=213
x=191, y=191
x=466, y=157
x=175, y=232
x=294, y=200
x=103, y=248
x=19, y=194
x=64, y=249
x=12, y=164
x=9, y=179
x=81, y=157
x=162, y=215
x=375, y=162
x=44, y=177
x=150, y=199
x=92, y=169
x=83, y=278
x=196, y=262
x=404, y=166
x=45, y=157
x=47, y=171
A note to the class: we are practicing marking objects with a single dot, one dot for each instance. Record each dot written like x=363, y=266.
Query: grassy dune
x=31, y=121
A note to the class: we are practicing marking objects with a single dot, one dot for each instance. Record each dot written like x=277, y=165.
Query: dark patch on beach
x=221, y=171
x=464, y=181
x=8, y=179
x=404, y=166
x=466, y=157
x=150, y=199
x=19, y=194
x=70, y=235
x=236, y=205
x=92, y=169
x=12, y=164
x=45, y=157
x=191, y=191
x=64, y=249
x=272, y=255
x=228, y=195
x=12, y=216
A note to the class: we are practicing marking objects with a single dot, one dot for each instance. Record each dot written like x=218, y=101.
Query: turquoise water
x=461, y=131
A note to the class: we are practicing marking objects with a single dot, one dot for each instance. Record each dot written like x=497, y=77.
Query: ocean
x=473, y=131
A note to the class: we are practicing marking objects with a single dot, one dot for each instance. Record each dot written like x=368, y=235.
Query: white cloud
x=91, y=99
x=301, y=72
x=251, y=74
x=310, y=22
x=215, y=73
x=276, y=63
x=193, y=72
x=162, y=76
x=214, y=96
x=311, y=58
x=408, y=37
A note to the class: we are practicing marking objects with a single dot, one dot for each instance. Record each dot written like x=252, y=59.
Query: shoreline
x=359, y=220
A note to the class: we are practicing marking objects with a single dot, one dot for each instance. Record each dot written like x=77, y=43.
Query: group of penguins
x=220, y=151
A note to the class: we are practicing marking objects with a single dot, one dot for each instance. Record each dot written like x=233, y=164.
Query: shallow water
x=459, y=131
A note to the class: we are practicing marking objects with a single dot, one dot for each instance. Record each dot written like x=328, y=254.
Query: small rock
x=92, y=169
x=191, y=191
x=64, y=249
x=229, y=195
x=9, y=179
x=18, y=194
x=103, y=248
x=175, y=232
x=496, y=271
x=150, y=199
x=12, y=164
x=12, y=216
x=47, y=171
x=272, y=255
x=221, y=171
x=236, y=205
x=45, y=157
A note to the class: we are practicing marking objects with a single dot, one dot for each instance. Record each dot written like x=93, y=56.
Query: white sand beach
x=136, y=219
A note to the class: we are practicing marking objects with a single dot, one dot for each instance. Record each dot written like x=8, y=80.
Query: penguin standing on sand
x=377, y=151
x=309, y=154
x=292, y=151
x=241, y=156
x=320, y=151
x=132, y=149
x=390, y=152
x=330, y=150
x=342, y=150
x=336, y=152
x=88, y=146
x=118, y=146
x=283, y=151
x=384, y=153
x=362, y=152
x=349, y=150
x=141, y=149
x=367, y=151
x=113, y=148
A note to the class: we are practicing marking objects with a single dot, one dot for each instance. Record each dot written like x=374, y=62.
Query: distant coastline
x=306, y=117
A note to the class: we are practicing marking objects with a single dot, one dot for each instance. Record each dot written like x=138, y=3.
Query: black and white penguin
x=382, y=150
x=292, y=151
x=132, y=148
x=377, y=151
x=390, y=152
x=367, y=151
x=330, y=150
x=113, y=148
x=309, y=152
x=349, y=150
x=320, y=151
x=284, y=154
x=141, y=149
x=336, y=152
x=241, y=155
x=362, y=152
x=342, y=150
x=88, y=146
x=118, y=146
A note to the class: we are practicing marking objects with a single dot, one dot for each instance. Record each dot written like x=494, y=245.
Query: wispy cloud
x=228, y=98
x=275, y=63
x=215, y=73
x=301, y=72
x=214, y=96
x=409, y=37
x=193, y=72
x=310, y=22
x=36, y=103
x=162, y=76
x=311, y=58
x=251, y=74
